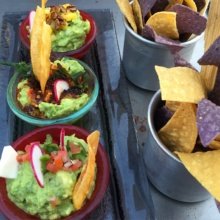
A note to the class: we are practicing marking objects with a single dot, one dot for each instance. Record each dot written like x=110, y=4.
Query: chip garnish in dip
x=51, y=180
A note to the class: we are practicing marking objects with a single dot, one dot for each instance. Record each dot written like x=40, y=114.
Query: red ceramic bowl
x=12, y=212
x=79, y=53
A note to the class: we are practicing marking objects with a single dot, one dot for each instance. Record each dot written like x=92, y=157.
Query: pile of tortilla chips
x=165, y=21
x=191, y=121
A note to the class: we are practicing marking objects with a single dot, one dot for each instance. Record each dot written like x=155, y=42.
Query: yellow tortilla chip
x=85, y=181
x=215, y=145
x=180, y=132
x=40, y=47
x=172, y=106
x=204, y=166
x=191, y=4
x=164, y=24
x=126, y=10
x=209, y=72
x=137, y=15
x=180, y=84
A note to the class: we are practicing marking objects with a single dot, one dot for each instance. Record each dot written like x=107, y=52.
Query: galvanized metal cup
x=141, y=55
x=165, y=170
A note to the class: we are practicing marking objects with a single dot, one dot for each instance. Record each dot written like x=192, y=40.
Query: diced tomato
x=23, y=157
x=28, y=148
x=74, y=148
x=51, y=167
x=76, y=165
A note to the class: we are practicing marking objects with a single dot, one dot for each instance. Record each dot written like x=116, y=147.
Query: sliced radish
x=9, y=163
x=31, y=19
x=36, y=154
x=58, y=87
x=62, y=135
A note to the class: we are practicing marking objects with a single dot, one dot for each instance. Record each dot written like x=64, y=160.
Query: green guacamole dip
x=27, y=194
x=72, y=37
x=64, y=108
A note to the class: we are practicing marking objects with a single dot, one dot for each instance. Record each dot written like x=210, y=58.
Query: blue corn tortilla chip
x=179, y=61
x=214, y=95
x=173, y=45
x=208, y=121
x=160, y=5
x=146, y=6
x=161, y=117
x=188, y=21
x=212, y=55
x=200, y=4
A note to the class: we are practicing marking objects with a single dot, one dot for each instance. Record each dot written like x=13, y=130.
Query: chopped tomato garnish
x=76, y=165
x=74, y=148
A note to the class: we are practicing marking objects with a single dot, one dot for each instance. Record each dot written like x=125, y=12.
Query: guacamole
x=55, y=199
x=27, y=194
x=32, y=101
x=71, y=32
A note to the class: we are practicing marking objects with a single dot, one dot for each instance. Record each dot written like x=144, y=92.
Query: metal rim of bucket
x=150, y=119
x=152, y=43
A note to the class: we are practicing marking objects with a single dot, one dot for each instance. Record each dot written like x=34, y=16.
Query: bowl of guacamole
x=73, y=30
x=70, y=92
x=23, y=198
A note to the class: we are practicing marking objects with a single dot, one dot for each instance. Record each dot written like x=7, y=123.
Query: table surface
x=166, y=209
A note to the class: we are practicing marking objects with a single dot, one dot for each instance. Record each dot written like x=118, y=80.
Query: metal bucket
x=141, y=55
x=165, y=170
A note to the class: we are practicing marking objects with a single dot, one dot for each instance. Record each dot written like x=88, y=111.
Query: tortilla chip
x=82, y=187
x=212, y=55
x=180, y=84
x=137, y=15
x=208, y=121
x=179, y=61
x=191, y=4
x=204, y=166
x=173, y=45
x=126, y=10
x=172, y=106
x=146, y=6
x=214, y=94
x=211, y=34
x=200, y=4
x=180, y=132
x=215, y=145
x=189, y=21
x=40, y=47
x=203, y=10
x=162, y=116
x=160, y=5
x=172, y=3
x=164, y=24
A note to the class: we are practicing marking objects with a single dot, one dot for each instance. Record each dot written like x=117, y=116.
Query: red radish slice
x=31, y=19
x=62, y=135
x=58, y=87
x=36, y=154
